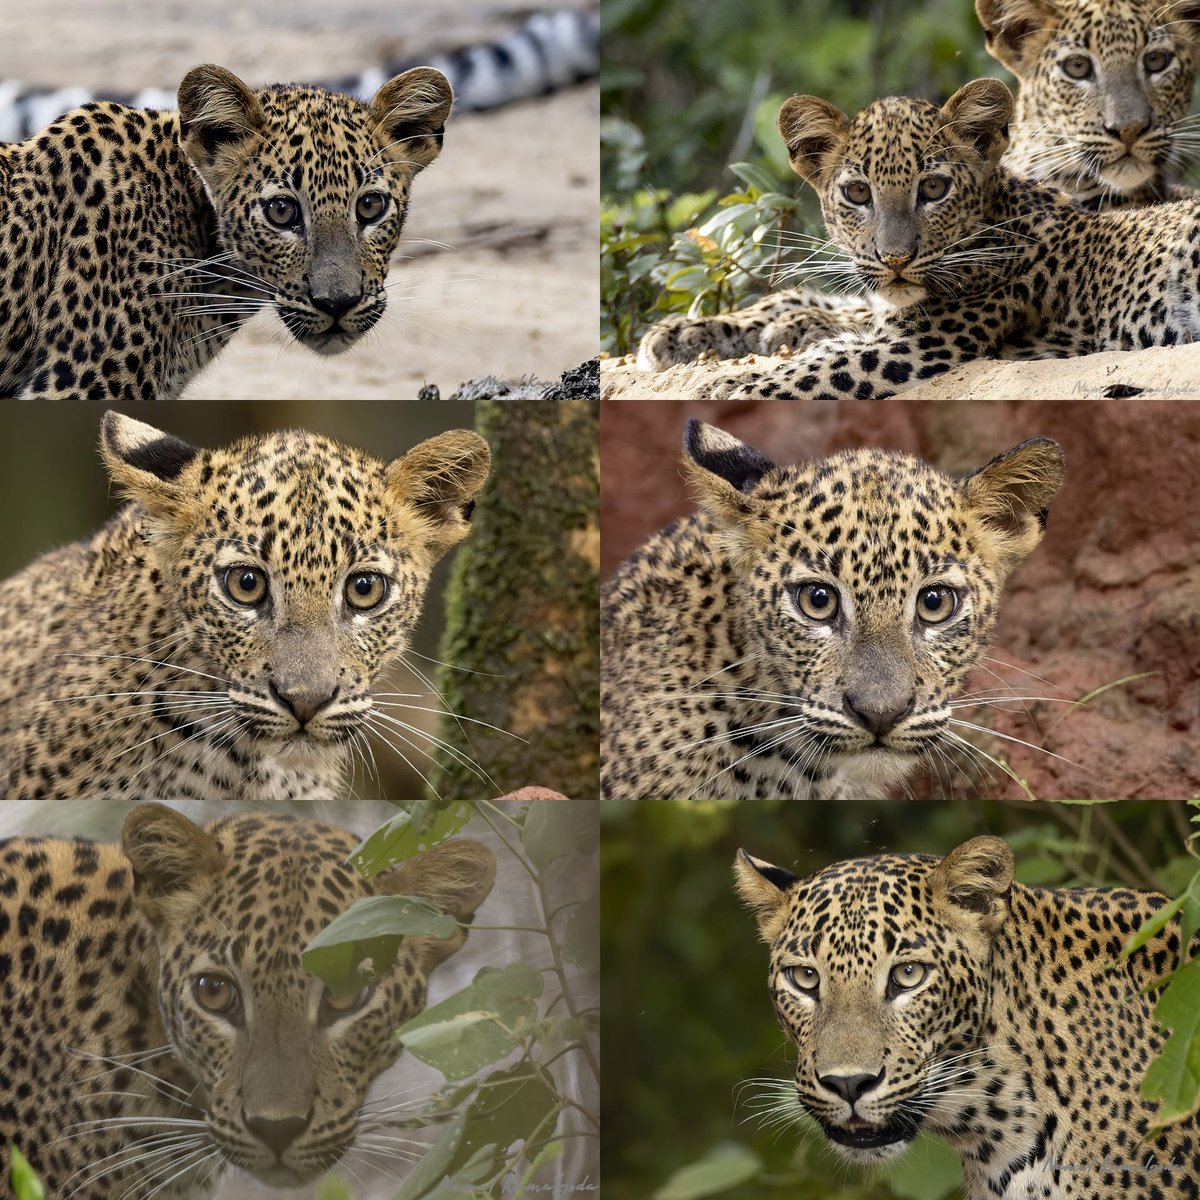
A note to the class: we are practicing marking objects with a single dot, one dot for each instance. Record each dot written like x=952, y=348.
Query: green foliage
x=25, y=1184
x=500, y=1113
x=689, y=1015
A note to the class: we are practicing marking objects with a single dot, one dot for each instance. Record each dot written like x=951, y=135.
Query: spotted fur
x=941, y=995
x=723, y=675
x=115, y=1077
x=1066, y=133
x=133, y=243
x=136, y=664
x=1027, y=274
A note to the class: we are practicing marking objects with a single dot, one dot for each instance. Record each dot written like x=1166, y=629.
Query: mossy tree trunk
x=521, y=642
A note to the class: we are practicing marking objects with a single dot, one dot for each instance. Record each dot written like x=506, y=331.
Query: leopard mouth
x=863, y=1135
x=327, y=335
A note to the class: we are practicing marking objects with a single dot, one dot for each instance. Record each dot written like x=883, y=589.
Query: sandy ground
x=1160, y=374
x=498, y=271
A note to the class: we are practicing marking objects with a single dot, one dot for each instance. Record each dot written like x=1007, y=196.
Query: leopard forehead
x=894, y=139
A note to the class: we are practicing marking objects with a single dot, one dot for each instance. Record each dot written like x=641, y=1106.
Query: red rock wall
x=1112, y=592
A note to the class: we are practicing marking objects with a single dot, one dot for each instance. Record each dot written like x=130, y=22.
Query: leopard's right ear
x=216, y=110
x=813, y=131
x=1016, y=31
x=764, y=889
x=168, y=854
x=721, y=470
x=144, y=462
x=973, y=882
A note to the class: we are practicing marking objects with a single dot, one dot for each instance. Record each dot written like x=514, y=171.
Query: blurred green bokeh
x=686, y=1013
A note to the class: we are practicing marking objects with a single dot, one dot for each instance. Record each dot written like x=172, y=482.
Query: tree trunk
x=520, y=649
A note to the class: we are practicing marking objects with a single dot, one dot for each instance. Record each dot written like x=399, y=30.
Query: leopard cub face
x=867, y=585
x=905, y=186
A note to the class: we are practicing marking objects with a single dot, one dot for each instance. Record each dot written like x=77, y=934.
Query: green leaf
x=553, y=829
x=722, y=1168
x=432, y=1168
x=362, y=943
x=754, y=176
x=1188, y=904
x=514, y=1105
x=581, y=934
x=406, y=835
x=332, y=1188
x=1174, y=1076
x=479, y=1025
x=929, y=1171
x=25, y=1183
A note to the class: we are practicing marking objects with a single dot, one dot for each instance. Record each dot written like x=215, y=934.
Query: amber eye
x=936, y=604
x=803, y=979
x=371, y=206
x=1157, y=60
x=1077, y=66
x=245, y=585
x=817, y=601
x=336, y=1007
x=857, y=192
x=933, y=187
x=282, y=212
x=216, y=994
x=365, y=590
x=906, y=976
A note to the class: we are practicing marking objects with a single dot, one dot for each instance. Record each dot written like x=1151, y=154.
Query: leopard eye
x=857, y=192
x=1077, y=66
x=365, y=590
x=1157, y=60
x=371, y=206
x=906, y=976
x=334, y=1007
x=282, y=211
x=817, y=601
x=245, y=585
x=803, y=979
x=936, y=604
x=933, y=187
x=216, y=994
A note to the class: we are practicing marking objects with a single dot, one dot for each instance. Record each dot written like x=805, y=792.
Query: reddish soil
x=1112, y=592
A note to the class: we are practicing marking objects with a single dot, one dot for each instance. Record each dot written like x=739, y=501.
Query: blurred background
x=1098, y=634
x=496, y=273
x=688, y=1018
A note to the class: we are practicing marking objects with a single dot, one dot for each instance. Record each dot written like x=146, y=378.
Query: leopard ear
x=813, y=131
x=216, y=109
x=974, y=880
x=440, y=479
x=143, y=461
x=454, y=877
x=1016, y=31
x=978, y=115
x=764, y=890
x=721, y=469
x=168, y=853
x=1011, y=498
x=410, y=114
x=1183, y=12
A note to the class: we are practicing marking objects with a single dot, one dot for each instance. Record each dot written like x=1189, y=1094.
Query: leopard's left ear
x=454, y=877
x=168, y=854
x=440, y=478
x=216, y=110
x=410, y=114
x=1011, y=498
x=764, y=889
x=144, y=462
x=973, y=882
x=978, y=115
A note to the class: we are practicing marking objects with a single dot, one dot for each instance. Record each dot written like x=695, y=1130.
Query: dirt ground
x=1104, y=609
x=514, y=196
x=1162, y=374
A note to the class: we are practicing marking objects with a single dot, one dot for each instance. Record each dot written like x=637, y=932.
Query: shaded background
x=687, y=1017
x=1112, y=592
x=496, y=273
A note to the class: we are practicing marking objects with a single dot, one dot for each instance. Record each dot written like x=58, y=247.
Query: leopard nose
x=896, y=262
x=851, y=1088
x=1128, y=133
x=303, y=702
x=877, y=716
x=277, y=1135
x=336, y=305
